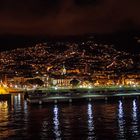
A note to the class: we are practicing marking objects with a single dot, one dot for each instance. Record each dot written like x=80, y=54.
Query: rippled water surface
x=100, y=120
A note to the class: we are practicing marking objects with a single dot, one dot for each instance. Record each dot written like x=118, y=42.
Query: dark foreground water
x=98, y=120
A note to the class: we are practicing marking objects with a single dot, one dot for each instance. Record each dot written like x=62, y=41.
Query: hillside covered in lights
x=85, y=56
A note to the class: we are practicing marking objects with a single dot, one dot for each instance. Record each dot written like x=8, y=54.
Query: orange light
x=3, y=91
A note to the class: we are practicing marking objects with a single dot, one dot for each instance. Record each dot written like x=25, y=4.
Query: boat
x=35, y=95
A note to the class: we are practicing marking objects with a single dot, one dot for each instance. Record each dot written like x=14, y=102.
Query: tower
x=63, y=71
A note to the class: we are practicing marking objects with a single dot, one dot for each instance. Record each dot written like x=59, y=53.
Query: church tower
x=63, y=71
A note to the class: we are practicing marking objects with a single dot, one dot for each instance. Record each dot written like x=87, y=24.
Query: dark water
x=88, y=120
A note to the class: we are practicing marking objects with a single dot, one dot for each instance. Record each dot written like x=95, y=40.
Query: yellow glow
x=4, y=105
x=3, y=91
x=49, y=67
x=4, y=118
x=75, y=71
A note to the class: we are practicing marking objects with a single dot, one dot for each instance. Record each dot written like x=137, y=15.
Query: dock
x=58, y=98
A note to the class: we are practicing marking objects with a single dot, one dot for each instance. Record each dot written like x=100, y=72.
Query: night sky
x=65, y=17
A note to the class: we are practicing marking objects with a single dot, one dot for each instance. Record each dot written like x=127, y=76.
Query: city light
x=3, y=91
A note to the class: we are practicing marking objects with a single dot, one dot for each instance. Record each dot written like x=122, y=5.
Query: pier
x=77, y=97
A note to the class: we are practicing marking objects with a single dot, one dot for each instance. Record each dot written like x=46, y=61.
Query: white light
x=90, y=87
x=134, y=110
x=121, y=121
x=135, y=118
x=4, y=85
x=55, y=88
x=56, y=122
x=120, y=110
x=90, y=119
x=34, y=86
x=19, y=97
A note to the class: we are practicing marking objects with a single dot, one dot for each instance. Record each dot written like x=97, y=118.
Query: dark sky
x=67, y=17
x=64, y=17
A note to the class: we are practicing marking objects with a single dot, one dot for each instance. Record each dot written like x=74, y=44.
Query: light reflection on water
x=135, y=125
x=88, y=120
x=4, y=120
x=91, y=132
x=4, y=112
x=56, y=122
x=121, y=120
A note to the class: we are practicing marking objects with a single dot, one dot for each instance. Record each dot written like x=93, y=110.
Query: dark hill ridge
x=123, y=41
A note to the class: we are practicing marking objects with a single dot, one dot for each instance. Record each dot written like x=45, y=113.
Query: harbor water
x=89, y=120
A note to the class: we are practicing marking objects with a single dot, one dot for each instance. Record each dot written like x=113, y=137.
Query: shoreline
x=77, y=94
